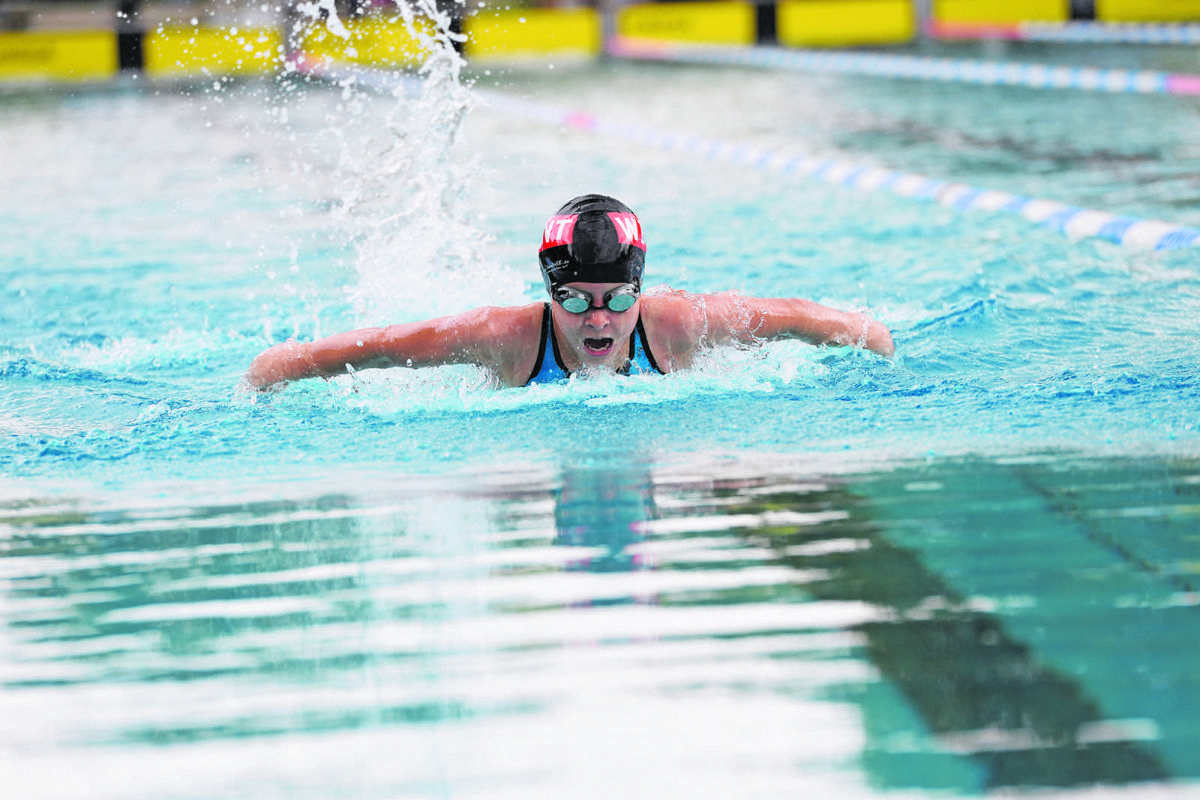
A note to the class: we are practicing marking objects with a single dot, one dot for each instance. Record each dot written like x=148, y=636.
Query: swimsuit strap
x=641, y=360
x=547, y=370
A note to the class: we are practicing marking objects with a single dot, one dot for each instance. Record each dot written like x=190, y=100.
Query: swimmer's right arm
x=478, y=337
x=324, y=358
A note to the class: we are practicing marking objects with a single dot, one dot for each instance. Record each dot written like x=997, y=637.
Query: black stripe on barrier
x=1083, y=9
x=766, y=31
x=130, y=54
x=456, y=27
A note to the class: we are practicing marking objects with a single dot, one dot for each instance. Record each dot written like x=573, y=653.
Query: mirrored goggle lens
x=621, y=302
x=578, y=303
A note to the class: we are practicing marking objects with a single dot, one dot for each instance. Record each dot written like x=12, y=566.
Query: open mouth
x=598, y=347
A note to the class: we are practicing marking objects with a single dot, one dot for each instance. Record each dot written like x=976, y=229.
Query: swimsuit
x=549, y=370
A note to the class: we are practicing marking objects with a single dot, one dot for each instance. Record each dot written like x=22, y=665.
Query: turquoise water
x=970, y=569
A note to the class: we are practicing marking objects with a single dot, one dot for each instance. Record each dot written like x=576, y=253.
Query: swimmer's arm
x=334, y=355
x=747, y=318
x=476, y=337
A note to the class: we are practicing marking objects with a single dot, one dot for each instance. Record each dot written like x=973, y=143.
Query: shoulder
x=663, y=307
x=676, y=323
x=509, y=337
x=692, y=315
x=501, y=322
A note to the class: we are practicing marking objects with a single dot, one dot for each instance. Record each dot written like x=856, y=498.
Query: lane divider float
x=1070, y=32
x=998, y=73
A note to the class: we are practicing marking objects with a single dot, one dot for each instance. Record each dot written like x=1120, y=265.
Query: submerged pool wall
x=40, y=44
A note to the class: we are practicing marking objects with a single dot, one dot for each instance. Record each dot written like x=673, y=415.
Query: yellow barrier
x=68, y=56
x=1147, y=10
x=383, y=41
x=532, y=32
x=173, y=52
x=377, y=41
x=841, y=23
x=730, y=22
x=990, y=12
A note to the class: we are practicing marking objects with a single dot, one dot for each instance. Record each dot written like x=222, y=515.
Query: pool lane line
x=1075, y=222
x=1074, y=32
x=950, y=70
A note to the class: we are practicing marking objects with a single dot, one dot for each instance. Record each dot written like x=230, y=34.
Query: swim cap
x=594, y=239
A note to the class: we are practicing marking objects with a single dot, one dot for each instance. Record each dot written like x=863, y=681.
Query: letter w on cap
x=629, y=229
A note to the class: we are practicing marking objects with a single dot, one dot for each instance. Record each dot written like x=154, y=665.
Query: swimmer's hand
x=279, y=364
x=876, y=338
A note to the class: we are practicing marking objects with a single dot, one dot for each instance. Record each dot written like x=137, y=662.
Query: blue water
x=792, y=569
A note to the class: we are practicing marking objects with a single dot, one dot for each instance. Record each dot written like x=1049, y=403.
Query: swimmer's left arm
x=747, y=318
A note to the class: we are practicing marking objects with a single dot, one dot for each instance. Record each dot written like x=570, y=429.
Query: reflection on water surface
x=955, y=625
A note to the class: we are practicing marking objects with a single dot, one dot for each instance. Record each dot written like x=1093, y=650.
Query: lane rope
x=1073, y=221
x=1071, y=32
x=997, y=73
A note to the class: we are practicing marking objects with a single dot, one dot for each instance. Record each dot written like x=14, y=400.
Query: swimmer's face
x=599, y=337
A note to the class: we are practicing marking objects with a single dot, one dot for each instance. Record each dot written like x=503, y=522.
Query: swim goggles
x=619, y=299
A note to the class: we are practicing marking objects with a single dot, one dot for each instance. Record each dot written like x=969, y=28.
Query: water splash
x=326, y=10
x=404, y=185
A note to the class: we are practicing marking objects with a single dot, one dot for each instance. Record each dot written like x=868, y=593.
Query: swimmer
x=592, y=256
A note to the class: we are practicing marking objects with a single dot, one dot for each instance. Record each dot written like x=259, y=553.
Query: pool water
x=972, y=569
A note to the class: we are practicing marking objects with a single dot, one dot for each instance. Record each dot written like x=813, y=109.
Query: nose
x=596, y=316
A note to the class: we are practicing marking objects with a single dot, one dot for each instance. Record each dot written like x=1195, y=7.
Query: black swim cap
x=595, y=239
